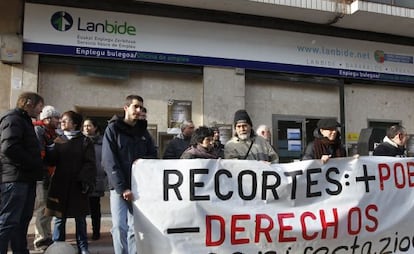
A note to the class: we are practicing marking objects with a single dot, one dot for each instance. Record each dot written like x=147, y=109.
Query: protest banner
x=348, y=205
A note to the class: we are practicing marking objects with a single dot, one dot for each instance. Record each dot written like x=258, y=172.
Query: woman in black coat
x=73, y=154
x=91, y=130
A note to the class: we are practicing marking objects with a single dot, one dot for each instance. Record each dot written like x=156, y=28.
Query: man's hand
x=127, y=195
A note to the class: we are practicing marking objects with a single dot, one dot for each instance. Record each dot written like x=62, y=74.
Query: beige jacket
x=261, y=150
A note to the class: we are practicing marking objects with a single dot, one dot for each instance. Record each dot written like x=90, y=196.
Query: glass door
x=291, y=134
x=288, y=138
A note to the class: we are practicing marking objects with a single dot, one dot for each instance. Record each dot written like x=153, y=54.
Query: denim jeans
x=16, y=210
x=123, y=233
x=59, y=231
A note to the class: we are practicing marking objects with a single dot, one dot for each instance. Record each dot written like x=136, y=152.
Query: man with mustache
x=246, y=145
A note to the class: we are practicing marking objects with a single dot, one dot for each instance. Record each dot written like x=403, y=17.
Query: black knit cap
x=241, y=116
x=328, y=123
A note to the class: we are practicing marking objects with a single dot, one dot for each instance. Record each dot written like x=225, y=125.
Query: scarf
x=324, y=146
x=71, y=134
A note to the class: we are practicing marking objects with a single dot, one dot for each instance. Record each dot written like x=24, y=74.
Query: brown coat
x=75, y=169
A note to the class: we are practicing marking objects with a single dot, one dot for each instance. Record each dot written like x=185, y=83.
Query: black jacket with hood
x=122, y=145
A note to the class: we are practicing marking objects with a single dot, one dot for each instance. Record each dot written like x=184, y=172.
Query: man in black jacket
x=393, y=144
x=181, y=142
x=21, y=167
x=126, y=139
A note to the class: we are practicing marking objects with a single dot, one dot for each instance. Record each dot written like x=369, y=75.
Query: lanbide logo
x=62, y=21
x=379, y=56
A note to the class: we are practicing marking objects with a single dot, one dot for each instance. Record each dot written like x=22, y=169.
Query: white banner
x=228, y=206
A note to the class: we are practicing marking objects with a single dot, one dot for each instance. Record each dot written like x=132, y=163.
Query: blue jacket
x=20, y=157
x=122, y=145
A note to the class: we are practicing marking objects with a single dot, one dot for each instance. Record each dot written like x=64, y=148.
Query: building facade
x=288, y=63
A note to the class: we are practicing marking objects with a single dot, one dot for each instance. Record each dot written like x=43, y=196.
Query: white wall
x=220, y=92
x=265, y=97
x=62, y=87
x=224, y=94
x=387, y=103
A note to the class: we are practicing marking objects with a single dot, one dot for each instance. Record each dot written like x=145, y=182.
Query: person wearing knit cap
x=49, y=112
x=246, y=145
x=46, y=132
x=327, y=142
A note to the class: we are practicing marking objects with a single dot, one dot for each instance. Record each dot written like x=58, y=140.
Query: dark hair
x=393, y=130
x=144, y=109
x=94, y=123
x=76, y=118
x=131, y=97
x=200, y=134
x=215, y=129
x=28, y=98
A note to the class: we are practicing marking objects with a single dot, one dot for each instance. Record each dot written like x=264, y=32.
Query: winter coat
x=176, y=147
x=218, y=149
x=122, y=145
x=45, y=136
x=389, y=148
x=74, y=177
x=260, y=150
x=20, y=158
x=101, y=184
x=333, y=149
x=198, y=152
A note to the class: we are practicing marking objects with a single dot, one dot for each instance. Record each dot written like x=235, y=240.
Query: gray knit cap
x=48, y=111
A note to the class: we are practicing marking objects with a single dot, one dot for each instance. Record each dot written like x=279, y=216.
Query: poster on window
x=178, y=111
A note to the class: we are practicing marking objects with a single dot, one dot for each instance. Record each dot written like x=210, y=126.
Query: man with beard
x=126, y=139
x=246, y=145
